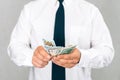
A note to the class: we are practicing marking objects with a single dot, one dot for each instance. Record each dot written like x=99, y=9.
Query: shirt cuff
x=28, y=61
x=85, y=58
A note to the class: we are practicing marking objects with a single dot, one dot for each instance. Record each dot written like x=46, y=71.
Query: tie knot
x=60, y=1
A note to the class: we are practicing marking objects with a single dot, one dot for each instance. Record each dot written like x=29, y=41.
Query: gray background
x=9, y=13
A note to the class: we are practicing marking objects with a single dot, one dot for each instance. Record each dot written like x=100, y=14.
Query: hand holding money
x=41, y=57
x=68, y=60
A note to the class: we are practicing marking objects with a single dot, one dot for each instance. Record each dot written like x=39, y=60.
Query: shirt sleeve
x=101, y=52
x=19, y=48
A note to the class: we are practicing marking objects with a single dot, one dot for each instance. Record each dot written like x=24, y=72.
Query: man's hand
x=40, y=58
x=68, y=60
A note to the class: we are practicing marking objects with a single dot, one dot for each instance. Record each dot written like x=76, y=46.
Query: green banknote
x=54, y=50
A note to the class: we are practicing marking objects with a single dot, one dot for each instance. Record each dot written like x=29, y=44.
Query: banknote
x=54, y=50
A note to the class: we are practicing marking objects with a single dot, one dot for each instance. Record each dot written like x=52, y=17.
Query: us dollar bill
x=54, y=50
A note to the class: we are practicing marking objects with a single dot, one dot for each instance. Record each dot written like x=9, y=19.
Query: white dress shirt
x=84, y=27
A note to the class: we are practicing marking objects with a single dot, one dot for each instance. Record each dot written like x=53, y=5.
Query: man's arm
x=101, y=52
x=19, y=48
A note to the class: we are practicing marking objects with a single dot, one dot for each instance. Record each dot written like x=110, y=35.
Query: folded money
x=54, y=50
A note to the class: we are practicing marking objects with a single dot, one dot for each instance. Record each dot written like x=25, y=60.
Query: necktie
x=58, y=72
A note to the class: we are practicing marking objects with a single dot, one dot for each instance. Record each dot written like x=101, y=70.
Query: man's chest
x=77, y=25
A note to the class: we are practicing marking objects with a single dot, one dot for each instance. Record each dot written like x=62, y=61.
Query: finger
x=44, y=53
x=36, y=64
x=57, y=63
x=38, y=55
x=74, y=61
x=64, y=61
x=40, y=62
x=69, y=65
x=63, y=64
x=64, y=56
x=41, y=57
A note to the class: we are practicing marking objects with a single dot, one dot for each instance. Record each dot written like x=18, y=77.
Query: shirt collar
x=65, y=2
x=68, y=2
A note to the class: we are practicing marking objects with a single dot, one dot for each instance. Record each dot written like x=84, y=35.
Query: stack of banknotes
x=54, y=50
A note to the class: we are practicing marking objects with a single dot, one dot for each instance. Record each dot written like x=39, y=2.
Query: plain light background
x=9, y=13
